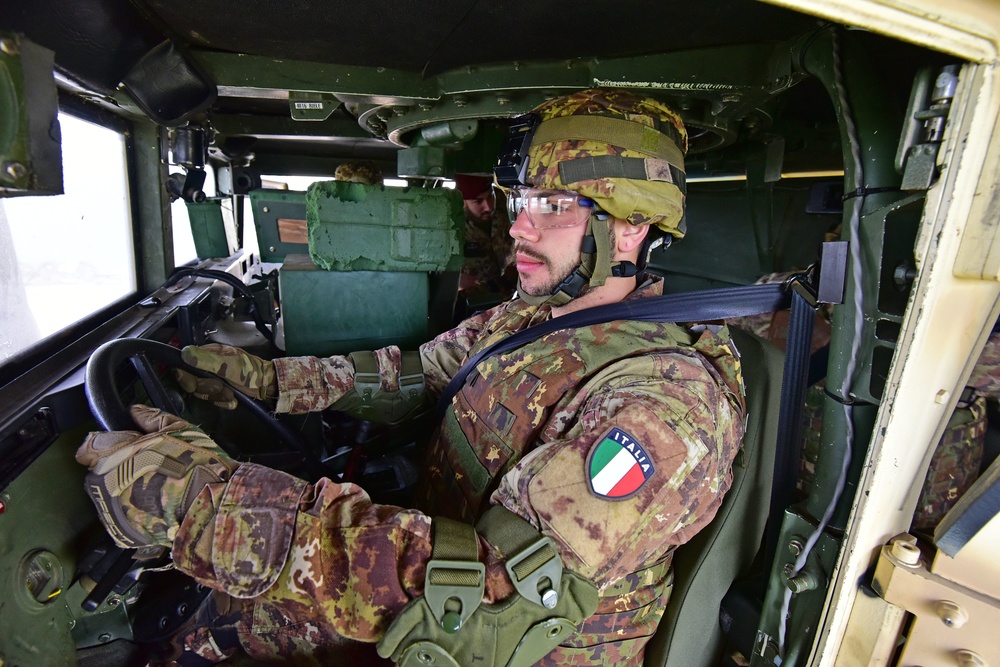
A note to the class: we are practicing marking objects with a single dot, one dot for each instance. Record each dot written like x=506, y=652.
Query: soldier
x=489, y=262
x=561, y=480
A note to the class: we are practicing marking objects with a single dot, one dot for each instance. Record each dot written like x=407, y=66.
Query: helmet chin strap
x=594, y=269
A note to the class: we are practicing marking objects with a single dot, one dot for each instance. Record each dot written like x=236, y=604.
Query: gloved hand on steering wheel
x=244, y=372
x=143, y=483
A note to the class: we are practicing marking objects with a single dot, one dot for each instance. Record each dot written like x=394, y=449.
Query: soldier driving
x=560, y=481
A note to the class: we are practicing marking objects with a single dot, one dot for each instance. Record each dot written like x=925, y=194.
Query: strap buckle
x=802, y=284
x=536, y=572
x=367, y=379
x=453, y=590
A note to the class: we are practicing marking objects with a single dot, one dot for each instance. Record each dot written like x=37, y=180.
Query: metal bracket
x=953, y=624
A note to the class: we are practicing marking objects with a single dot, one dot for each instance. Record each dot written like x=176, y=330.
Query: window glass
x=65, y=257
x=184, y=250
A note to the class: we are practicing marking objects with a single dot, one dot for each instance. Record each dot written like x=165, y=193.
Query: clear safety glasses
x=550, y=208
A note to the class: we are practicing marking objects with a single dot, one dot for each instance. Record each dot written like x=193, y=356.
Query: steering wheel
x=110, y=410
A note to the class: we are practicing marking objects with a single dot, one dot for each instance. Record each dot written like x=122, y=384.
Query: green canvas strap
x=615, y=131
x=616, y=166
x=532, y=562
x=368, y=379
x=516, y=632
x=455, y=579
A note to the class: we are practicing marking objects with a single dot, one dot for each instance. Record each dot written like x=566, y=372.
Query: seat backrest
x=689, y=635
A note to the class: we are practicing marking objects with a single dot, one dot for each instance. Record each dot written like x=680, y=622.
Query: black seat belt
x=702, y=306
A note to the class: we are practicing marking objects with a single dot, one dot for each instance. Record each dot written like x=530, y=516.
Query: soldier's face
x=546, y=256
x=481, y=208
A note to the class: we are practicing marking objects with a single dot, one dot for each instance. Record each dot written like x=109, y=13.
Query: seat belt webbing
x=701, y=306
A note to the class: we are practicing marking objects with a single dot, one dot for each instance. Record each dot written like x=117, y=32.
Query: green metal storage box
x=356, y=227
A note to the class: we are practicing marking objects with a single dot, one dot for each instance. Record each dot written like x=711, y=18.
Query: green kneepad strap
x=448, y=627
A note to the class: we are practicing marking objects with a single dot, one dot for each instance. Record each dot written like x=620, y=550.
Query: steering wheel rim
x=107, y=406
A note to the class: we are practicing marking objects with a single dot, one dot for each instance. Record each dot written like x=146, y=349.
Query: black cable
x=236, y=284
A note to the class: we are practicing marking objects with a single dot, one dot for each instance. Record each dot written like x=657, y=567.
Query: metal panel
x=333, y=312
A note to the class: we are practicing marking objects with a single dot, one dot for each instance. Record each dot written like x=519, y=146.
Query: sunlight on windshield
x=65, y=257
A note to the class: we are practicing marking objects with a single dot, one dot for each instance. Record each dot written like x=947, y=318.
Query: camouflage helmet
x=623, y=150
x=358, y=172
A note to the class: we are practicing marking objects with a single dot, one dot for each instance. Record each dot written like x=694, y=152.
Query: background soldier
x=488, y=274
x=583, y=458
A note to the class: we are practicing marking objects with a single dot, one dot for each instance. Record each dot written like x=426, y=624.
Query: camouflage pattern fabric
x=143, y=483
x=488, y=257
x=248, y=374
x=985, y=377
x=351, y=565
x=358, y=172
x=658, y=200
x=954, y=465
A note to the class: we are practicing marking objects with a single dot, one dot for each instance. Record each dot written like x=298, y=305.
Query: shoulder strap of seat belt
x=702, y=306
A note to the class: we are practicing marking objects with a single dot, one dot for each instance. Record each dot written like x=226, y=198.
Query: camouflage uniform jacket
x=324, y=562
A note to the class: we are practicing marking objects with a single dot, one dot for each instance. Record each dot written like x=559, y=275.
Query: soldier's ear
x=629, y=237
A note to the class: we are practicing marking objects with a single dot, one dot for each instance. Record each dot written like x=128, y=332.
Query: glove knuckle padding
x=142, y=486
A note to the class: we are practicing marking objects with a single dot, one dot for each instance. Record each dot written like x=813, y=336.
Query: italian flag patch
x=618, y=465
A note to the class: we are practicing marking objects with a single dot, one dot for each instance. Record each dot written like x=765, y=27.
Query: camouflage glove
x=143, y=484
x=244, y=372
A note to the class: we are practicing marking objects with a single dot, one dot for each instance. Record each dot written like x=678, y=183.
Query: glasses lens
x=548, y=208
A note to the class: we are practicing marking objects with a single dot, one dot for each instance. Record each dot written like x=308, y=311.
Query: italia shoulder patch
x=618, y=466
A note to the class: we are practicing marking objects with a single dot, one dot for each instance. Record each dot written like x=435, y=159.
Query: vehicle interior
x=168, y=179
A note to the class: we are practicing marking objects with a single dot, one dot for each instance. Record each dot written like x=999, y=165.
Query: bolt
x=906, y=553
x=967, y=658
x=270, y=248
x=795, y=546
x=15, y=170
x=460, y=100
x=266, y=209
x=802, y=582
x=425, y=658
x=104, y=637
x=951, y=614
x=9, y=46
x=114, y=602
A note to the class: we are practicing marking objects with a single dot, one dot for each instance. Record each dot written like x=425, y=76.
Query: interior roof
x=430, y=37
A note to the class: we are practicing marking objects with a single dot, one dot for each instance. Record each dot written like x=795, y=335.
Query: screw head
x=9, y=46
x=951, y=614
x=550, y=599
x=104, y=637
x=15, y=170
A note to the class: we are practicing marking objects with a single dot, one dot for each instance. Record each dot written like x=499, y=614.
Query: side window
x=65, y=257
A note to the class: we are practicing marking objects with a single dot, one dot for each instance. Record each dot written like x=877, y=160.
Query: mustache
x=531, y=254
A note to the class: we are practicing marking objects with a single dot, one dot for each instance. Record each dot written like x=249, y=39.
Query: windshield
x=65, y=257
